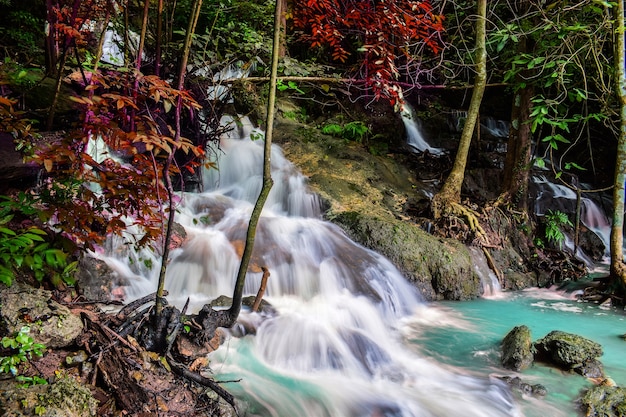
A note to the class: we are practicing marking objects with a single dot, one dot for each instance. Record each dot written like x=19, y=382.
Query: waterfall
x=415, y=139
x=489, y=280
x=496, y=128
x=336, y=345
x=562, y=198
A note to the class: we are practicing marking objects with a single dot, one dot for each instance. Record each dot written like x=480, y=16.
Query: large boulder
x=440, y=268
x=50, y=323
x=517, y=349
x=571, y=352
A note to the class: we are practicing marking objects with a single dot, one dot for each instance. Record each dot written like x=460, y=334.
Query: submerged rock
x=571, y=352
x=604, y=401
x=525, y=388
x=517, y=349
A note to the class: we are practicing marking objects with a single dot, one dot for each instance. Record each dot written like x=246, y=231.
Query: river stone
x=50, y=323
x=517, y=349
x=604, y=401
x=567, y=350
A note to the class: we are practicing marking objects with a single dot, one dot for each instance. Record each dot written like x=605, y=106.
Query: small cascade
x=415, y=139
x=456, y=120
x=495, y=128
x=489, y=280
x=560, y=197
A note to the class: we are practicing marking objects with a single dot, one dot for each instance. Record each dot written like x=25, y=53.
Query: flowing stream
x=349, y=335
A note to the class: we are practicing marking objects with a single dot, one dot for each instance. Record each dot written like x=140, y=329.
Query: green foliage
x=554, y=221
x=281, y=86
x=21, y=28
x=28, y=249
x=356, y=131
x=22, y=349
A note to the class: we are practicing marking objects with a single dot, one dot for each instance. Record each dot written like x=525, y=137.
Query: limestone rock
x=50, y=322
x=517, y=349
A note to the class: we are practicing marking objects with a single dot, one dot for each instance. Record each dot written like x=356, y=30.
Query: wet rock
x=570, y=352
x=525, y=388
x=50, y=322
x=604, y=401
x=517, y=349
x=591, y=369
x=95, y=280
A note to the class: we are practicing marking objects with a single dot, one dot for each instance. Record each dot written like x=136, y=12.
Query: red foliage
x=387, y=33
x=90, y=197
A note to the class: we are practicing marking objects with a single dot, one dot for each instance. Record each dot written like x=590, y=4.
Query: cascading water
x=415, y=139
x=336, y=345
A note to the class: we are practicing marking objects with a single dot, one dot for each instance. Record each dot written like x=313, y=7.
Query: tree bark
x=618, y=268
x=451, y=190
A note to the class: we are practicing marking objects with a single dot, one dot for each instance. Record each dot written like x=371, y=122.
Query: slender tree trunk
x=52, y=50
x=451, y=190
x=618, y=269
x=193, y=20
x=144, y=31
x=235, y=308
x=159, y=38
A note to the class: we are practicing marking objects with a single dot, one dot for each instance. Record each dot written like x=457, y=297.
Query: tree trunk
x=518, y=157
x=159, y=38
x=51, y=46
x=193, y=20
x=618, y=268
x=451, y=190
x=233, y=312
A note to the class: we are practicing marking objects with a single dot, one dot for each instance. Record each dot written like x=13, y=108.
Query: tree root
x=454, y=209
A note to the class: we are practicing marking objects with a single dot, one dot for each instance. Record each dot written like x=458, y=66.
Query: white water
x=415, y=138
x=337, y=346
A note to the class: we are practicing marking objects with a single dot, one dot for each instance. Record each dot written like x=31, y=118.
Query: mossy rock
x=440, y=268
x=604, y=401
x=569, y=351
x=517, y=349
x=65, y=397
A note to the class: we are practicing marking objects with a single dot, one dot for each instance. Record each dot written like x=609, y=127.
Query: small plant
x=281, y=86
x=28, y=248
x=555, y=220
x=355, y=131
x=22, y=348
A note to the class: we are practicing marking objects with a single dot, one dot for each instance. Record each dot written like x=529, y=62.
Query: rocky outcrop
x=571, y=352
x=517, y=349
x=440, y=268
